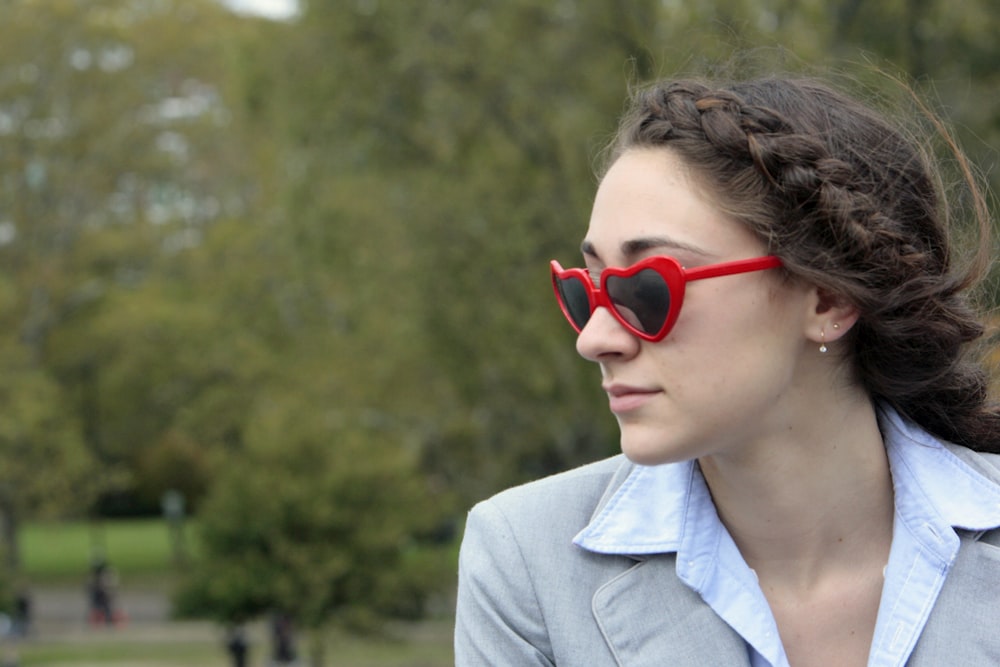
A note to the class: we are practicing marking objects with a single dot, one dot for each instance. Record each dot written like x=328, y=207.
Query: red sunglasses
x=645, y=297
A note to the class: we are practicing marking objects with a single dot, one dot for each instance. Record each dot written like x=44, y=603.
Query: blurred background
x=275, y=301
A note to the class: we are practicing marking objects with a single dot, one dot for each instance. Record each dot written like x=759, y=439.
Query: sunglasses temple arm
x=732, y=268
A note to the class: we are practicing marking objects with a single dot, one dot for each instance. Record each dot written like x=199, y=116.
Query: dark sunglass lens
x=574, y=297
x=643, y=299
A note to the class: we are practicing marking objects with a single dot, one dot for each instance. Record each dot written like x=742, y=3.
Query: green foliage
x=327, y=529
x=111, y=156
x=43, y=464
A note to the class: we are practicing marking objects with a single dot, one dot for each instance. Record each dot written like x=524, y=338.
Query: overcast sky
x=275, y=9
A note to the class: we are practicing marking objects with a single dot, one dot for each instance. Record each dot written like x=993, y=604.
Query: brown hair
x=851, y=205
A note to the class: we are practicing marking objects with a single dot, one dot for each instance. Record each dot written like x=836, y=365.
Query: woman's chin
x=644, y=449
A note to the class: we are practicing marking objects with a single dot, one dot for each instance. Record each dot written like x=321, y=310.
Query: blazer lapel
x=649, y=617
x=962, y=628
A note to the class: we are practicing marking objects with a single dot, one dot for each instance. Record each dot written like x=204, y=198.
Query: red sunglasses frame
x=674, y=275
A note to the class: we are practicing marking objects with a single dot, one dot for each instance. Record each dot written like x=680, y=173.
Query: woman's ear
x=830, y=317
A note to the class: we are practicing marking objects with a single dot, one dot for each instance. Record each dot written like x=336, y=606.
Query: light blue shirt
x=668, y=508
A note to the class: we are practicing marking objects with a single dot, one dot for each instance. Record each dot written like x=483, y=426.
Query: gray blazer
x=528, y=596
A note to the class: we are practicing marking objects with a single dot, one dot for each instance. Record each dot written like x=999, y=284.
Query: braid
x=850, y=205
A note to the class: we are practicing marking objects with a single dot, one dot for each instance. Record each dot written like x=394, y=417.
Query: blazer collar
x=961, y=629
x=650, y=618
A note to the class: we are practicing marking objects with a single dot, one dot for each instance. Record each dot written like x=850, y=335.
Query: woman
x=800, y=482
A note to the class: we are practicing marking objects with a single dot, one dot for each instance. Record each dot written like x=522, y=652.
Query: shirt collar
x=649, y=512
x=645, y=515
x=932, y=482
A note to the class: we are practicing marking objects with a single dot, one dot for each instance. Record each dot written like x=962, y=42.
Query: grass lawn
x=63, y=550
x=426, y=644
x=57, y=555
x=163, y=653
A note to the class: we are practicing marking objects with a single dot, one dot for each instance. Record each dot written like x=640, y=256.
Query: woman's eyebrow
x=633, y=247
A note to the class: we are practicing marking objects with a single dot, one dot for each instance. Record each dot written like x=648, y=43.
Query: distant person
x=21, y=619
x=238, y=646
x=774, y=293
x=101, y=589
x=283, y=639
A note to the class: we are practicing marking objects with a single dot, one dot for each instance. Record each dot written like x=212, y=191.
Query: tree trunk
x=8, y=533
x=317, y=647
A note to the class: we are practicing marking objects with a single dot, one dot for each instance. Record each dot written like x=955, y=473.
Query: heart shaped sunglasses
x=645, y=297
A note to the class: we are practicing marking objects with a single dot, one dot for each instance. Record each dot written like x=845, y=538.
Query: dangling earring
x=822, y=344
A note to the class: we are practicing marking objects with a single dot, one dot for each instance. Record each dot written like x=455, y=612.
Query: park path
x=61, y=607
x=59, y=615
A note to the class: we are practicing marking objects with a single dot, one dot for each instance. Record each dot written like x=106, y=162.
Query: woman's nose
x=605, y=336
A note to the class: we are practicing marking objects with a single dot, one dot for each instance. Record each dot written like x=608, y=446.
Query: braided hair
x=852, y=206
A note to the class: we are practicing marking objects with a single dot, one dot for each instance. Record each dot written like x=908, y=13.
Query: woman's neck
x=811, y=503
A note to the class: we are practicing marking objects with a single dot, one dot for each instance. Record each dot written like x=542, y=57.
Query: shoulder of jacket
x=584, y=485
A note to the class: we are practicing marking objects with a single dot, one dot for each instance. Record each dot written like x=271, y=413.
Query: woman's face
x=728, y=373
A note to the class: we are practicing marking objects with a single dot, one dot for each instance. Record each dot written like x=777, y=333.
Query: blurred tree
x=318, y=523
x=111, y=156
x=45, y=470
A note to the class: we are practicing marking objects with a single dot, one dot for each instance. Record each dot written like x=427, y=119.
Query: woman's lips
x=623, y=398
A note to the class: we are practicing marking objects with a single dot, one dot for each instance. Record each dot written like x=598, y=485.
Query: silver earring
x=836, y=325
x=822, y=344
